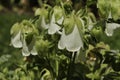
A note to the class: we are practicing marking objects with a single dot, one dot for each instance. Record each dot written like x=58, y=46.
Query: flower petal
x=25, y=50
x=110, y=27
x=74, y=41
x=15, y=41
x=60, y=20
x=34, y=51
x=53, y=27
x=61, y=43
x=71, y=42
x=43, y=24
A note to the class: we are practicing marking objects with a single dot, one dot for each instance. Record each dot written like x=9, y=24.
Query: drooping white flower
x=16, y=41
x=21, y=32
x=72, y=42
x=34, y=51
x=53, y=27
x=26, y=51
x=110, y=27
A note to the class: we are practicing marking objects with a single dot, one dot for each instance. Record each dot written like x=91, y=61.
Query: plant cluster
x=63, y=43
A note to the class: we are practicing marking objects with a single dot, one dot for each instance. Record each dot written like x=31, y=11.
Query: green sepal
x=42, y=46
x=58, y=12
x=42, y=12
x=15, y=28
x=69, y=24
x=28, y=28
x=80, y=24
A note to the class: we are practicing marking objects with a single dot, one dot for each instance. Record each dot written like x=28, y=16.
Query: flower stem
x=71, y=66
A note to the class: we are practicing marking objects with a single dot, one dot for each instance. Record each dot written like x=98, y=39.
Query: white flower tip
x=74, y=49
x=110, y=27
x=61, y=45
x=34, y=51
x=60, y=20
x=108, y=33
x=53, y=28
x=24, y=53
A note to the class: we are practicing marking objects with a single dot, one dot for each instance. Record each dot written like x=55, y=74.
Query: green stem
x=57, y=68
x=71, y=66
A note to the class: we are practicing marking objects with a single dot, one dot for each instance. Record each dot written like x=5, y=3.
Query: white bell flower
x=72, y=42
x=16, y=41
x=110, y=27
x=26, y=51
x=34, y=51
x=53, y=27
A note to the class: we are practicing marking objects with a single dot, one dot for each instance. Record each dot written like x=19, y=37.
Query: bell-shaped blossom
x=16, y=41
x=110, y=27
x=20, y=32
x=72, y=42
x=26, y=51
x=53, y=27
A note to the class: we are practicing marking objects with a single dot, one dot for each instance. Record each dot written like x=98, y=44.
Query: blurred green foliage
x=10, y=58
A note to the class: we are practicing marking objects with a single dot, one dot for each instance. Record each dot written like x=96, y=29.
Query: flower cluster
x=21, y=32
x=70, y=26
